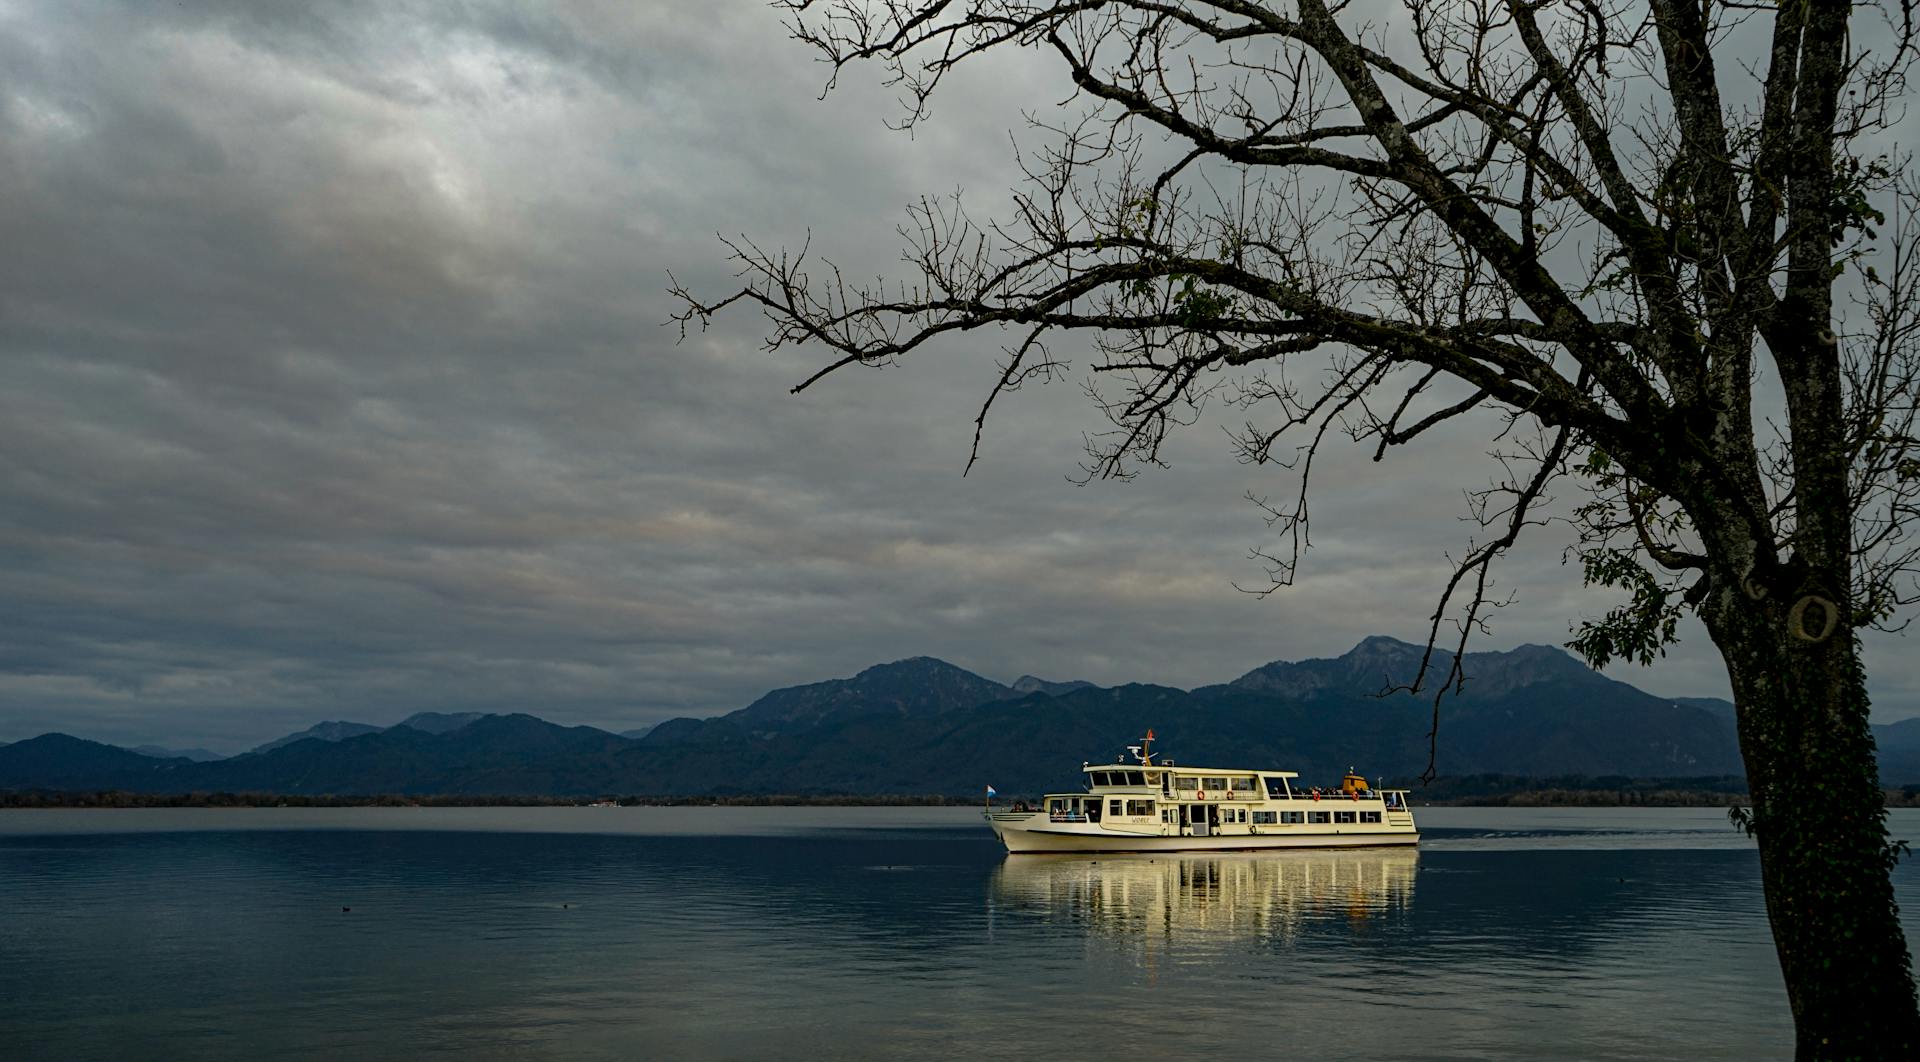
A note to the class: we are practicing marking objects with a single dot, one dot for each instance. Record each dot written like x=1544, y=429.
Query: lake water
x=856, y=933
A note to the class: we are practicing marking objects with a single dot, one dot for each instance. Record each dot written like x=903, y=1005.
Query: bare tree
x=1661, y=263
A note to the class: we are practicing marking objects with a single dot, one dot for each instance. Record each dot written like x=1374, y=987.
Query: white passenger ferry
x=1165, y=807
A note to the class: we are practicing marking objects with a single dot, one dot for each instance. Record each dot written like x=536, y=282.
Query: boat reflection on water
x=1271, y=894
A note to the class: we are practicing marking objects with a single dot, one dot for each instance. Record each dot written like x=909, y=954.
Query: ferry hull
x=1021, y=833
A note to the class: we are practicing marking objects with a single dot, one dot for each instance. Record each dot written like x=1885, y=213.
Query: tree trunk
x=1819, y=817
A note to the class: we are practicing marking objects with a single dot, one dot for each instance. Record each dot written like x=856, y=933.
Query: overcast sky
x=337, y=387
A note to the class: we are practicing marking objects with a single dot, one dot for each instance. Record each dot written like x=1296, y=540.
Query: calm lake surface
x=750, y=933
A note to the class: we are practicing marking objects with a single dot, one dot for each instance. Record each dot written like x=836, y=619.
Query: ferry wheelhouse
x=1162, y=806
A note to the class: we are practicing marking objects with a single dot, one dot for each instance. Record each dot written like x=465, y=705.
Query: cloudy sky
x=337, y=386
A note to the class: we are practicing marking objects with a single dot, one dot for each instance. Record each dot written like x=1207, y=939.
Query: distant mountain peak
x=1380, y=662
x=1377, y=644
x=440, y=722
x=915, y=686
x=330, y=730
x=912, y=665
x=58, y=760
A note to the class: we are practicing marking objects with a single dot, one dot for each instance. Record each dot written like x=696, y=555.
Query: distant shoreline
x=1551, y=797
x=119, y=799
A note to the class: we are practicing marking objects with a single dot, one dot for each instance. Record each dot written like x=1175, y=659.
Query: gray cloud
x=338, y=387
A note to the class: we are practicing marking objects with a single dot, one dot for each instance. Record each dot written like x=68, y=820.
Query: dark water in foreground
x=751, y=933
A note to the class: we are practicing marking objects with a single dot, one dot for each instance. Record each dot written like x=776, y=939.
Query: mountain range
x=924, y=726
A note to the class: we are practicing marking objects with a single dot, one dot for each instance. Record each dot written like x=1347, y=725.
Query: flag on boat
x=991, y=791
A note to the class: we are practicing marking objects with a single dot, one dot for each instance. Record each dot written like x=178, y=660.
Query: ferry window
x=1265, y=818
x=1276, y=788
x=1153, y=777
x=1242, y=785
x=1140, y=808
x=1319, y=817
x=1166, y=814
x=1186, y=782
x=1102, y=778
x=1215, y=783
x=1343, y=816
x=1136, y=778
x=1113, y=808
x=1293, y=818
x=1369, y=816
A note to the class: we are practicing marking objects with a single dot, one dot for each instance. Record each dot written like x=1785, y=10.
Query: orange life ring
x=1199, y=794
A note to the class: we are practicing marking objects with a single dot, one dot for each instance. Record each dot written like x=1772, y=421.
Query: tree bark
x=1819, y=819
